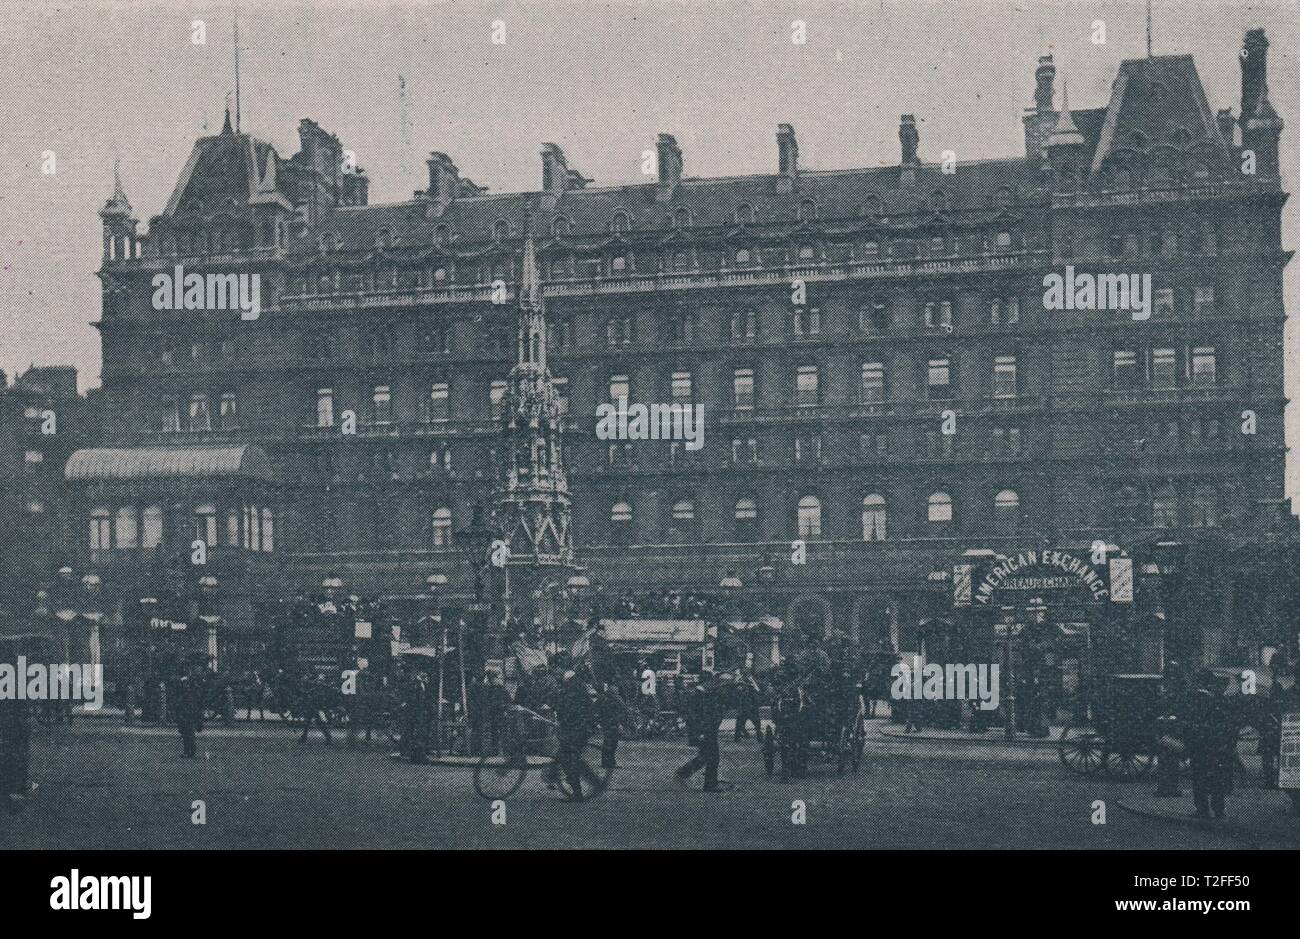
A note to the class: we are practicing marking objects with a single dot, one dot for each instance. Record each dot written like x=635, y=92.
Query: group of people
x=1203, y=722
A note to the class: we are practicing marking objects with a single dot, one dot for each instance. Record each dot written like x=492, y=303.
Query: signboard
x=1121, y=580
x=363, y=630
x=158, y=623
x=1001, y=630
x=961, y=585
x=1038, y=571
x=1288, y=772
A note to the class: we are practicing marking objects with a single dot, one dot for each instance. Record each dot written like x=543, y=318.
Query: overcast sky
x=89, y=81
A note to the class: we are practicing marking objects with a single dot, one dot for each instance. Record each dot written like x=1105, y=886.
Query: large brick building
x=881, y=379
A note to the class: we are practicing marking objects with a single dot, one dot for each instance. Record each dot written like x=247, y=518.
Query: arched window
x=1006, y=510
x=873, y=518
x=745, y=214
x=620, y=522
x=383, y=239
x=442, y=527
x=101, y=533
x=621, y=224
x=152, y=530
x=560, y=227
x=810, y=517
x=442, y=236
x=683, y=519
x=742, y=256
x=807, y=252
x=871, y=208
x=746, y=515
x=205, y=525
x=126, y=529
x=939, y=508
x=807, y=210
x=501, y=230
x=1164, y=507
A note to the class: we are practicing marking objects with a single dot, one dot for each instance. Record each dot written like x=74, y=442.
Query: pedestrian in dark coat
x=704, y=712
x=15, y=751
x=187, y=698
x=415, y=728
x=1211, y=745
x=747, y=707
x=612, y=710
x=574, y=716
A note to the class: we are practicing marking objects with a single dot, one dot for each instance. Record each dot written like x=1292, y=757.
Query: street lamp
x=91, y=583
x=209, y=616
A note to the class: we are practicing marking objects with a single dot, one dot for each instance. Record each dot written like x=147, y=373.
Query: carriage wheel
x=1128, y=764
x=842, y=750
x=769, y=751
x=1081, y=753
x=857, y=744
x=498, y=777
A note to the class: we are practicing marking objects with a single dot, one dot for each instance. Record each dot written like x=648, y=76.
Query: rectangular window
x=939, y=377
x=1004, y=377
x=381, y=400
x=873, y=383
x=806, y=322
x=938, y=314
x=1163, y=305
x=1204, y=303
x=807, y=391
x=619, y=387
x=743, y=388
x=873, y=446
x=873, y=317
x=170, y=415
x=439, y=401
x=324, y=408
x=808, y=448
x=561, y=394
x=1204, y=367
x=229, y=411
x=497, y=398
x=200, y=416
x=1124, y=370
x=1164, y=368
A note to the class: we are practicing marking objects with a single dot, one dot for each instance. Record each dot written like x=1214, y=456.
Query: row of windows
x=1166, y=511
x=129, y=528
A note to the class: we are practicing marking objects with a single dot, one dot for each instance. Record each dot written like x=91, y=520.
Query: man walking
x=573, y=714
x=703, y=717
x=1211, y=744
x=747, y=709
x=612, y=709
x=188, y=710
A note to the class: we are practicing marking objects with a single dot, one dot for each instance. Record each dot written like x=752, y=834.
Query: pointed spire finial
x=225, y=127
x=119, y=204
x=1065, y=133
x=530, y=282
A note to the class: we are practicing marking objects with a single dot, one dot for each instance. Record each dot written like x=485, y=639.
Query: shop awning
x=658, y=632
x=129, y=463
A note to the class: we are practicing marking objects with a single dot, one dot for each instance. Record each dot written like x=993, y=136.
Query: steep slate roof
x=129, y=463
x=222, y=167
x=1157, y=98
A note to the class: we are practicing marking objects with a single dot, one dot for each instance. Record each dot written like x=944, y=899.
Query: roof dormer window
x=560, y=227
x=744, y=214
x=621, y=224
x=807, y=210
x=383, y=239
x=501, y=230
x=442, y=236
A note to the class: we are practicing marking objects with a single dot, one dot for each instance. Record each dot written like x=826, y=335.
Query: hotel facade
x=892, y=411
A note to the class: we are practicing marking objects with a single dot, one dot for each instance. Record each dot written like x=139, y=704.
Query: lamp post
x=93, y=614
x=730, y=585
x=209, y=617
x=766, y=575
x=65, y=607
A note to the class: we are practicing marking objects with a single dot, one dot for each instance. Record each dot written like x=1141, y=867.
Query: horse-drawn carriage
x=816, y=709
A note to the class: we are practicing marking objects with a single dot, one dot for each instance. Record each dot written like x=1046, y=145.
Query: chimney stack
x=1045, y=75
x=444, y=179
x=909, y=138
x=670, y=164
x=1254, y=68
x=555, y=169
x=787, y=156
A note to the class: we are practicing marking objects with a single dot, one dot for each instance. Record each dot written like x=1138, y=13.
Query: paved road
x=102, y=786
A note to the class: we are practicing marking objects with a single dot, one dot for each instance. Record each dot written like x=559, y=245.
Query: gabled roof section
x=130, y=463
x=224, y=167
x=1156, y=98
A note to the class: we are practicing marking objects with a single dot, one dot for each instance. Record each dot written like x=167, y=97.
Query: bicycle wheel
x=498, y=777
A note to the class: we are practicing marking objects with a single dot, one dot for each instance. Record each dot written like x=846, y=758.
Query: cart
x=1122, y=741
x=814, y=715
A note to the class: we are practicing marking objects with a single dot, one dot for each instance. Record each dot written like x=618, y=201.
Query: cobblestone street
x=102, y=786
